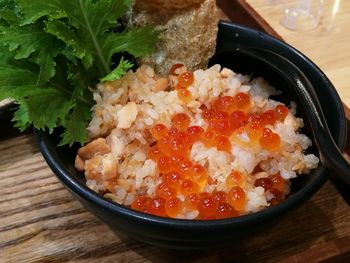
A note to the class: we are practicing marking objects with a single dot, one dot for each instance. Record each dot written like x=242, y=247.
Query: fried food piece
x=189, y=31
x=165, y=6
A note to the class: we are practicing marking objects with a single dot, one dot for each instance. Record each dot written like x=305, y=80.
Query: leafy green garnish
x=119, y=71
x=52, y=51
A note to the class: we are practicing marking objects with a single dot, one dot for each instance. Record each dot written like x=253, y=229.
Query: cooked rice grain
x=126, y=109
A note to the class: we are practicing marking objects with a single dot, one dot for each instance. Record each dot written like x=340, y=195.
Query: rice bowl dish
x=205, y=145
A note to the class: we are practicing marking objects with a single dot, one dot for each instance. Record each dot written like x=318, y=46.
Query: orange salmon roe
x=281, y=112
x=181, y=121
x=174, y=68
x=173, y=207
x=224, y=210
x=207, y=207
x=191, y=201
x=186, y=79
x=178, y=88
x=219, y=197
x=174, y=179
x=194, y=133
x=236, y=198
x=255, y=119
x=265, y=183
x=221, y=126
x=142, y=204
x=189, y=187
x=208, y=114
x=235, y=179
x=184, y=95
x=238, y=119
x=159, y=130
x=157, y=207
x=199, y=175
x=278, y=197
x=268, y=117
x=208, y=138
x=163, y=144
x=223, y=143
x=278, y=182
x=254, y=131
x=227, y=118
x=173, y=131
x=225, y=104
x=221, y=115
x=154, y=153
x=165, y=191
x=242, y=101
x=270, y=140
x=164, y=164
x=183, y=167
x=178, y=144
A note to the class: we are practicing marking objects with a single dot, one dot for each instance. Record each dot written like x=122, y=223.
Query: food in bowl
x=208, y=144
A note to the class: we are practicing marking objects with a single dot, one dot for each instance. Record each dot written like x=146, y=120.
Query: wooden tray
x=41, y=222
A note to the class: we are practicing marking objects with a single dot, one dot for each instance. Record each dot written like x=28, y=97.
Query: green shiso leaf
x=53, y=52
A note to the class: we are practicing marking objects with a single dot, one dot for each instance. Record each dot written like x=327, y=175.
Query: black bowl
x=175, y=233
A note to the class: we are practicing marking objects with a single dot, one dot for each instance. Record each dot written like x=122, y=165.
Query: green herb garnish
x=52, y=51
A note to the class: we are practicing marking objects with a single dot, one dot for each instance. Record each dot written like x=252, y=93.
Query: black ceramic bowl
x=176, y=233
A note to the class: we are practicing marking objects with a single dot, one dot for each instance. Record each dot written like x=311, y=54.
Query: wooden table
x=41, y=222
x=328, y=45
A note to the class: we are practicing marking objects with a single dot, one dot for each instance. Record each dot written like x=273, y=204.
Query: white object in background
x=302, y=15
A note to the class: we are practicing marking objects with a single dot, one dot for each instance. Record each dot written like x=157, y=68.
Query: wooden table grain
x=41, y=222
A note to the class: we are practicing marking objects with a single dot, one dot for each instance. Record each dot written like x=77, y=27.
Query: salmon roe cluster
x=183, y=182
x=184, y=80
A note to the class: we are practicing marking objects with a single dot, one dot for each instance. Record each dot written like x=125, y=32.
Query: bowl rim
x=48, y=151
